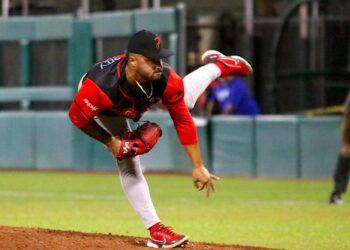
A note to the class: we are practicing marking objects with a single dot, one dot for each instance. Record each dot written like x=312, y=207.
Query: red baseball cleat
x=229, y=65
x=164, y=237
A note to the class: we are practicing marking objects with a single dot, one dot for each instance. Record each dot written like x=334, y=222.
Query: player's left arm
x=88, y=103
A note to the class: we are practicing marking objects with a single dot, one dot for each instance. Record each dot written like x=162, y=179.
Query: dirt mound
x=40, y=239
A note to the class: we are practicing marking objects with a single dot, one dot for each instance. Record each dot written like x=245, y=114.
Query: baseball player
x=341, y=173
x=125, y=86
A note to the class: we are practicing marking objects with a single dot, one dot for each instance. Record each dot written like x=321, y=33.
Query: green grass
x=289, y=214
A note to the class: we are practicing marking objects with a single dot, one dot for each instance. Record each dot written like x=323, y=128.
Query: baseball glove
x=139, y=141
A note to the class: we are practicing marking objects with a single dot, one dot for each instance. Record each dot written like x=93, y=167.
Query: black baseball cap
x=148, y=44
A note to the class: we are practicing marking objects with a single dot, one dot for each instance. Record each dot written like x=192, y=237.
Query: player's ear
x=132, y=59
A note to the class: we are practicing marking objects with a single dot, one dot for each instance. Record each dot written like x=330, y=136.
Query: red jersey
x=105, y=90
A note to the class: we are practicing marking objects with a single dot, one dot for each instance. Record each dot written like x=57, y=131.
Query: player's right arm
x=187, y=132
x=88, y=103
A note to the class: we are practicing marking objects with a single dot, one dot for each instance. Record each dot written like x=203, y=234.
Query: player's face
x=149, y=69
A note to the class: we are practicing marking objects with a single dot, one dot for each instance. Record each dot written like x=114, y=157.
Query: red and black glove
x=139, y=141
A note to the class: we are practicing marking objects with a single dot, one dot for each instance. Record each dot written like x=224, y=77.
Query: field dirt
x=40, y=239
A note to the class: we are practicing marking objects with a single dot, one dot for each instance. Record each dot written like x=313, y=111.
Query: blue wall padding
x=53, y=140
x=233, y=145
x=179, y=157
x=102, y=159
x=265, y=146
x=277, y=146
x=320, y=141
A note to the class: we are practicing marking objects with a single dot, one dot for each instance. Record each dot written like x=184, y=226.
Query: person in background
x=231, y=96
x=341, y=173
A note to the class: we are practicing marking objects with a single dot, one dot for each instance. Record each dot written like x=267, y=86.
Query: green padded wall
x=320, y=141
x=17, y=144
x=53, y=137
x=277, y=146
x=180, y=160
x=232, y=146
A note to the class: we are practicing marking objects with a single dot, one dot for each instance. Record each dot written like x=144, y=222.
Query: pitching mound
x=31, y=238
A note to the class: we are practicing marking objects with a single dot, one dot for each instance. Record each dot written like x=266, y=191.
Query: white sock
x=197, y=81
x=136, y=190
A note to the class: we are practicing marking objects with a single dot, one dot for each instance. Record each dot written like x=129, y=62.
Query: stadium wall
x=265, y=146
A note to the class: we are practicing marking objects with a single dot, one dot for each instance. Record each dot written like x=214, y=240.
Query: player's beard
x=155, y=75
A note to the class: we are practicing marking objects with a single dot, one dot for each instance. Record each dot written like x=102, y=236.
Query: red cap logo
x=157, y=40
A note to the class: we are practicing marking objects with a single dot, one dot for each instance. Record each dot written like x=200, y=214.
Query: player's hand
x=203, y=179
x=345, y=150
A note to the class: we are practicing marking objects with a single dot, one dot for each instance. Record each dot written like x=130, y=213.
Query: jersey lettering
x=89, y=104
x=108, y=62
